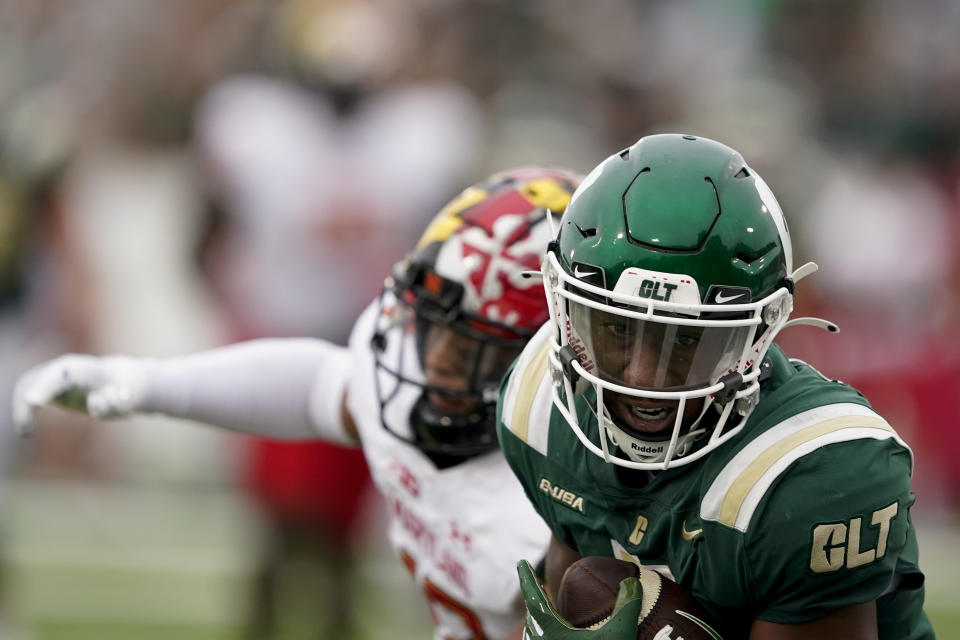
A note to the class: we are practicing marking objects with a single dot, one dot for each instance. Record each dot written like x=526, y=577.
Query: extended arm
x=280, y=388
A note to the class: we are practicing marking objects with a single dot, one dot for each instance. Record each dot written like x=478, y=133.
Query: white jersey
x=460, y=530
x=307, y=190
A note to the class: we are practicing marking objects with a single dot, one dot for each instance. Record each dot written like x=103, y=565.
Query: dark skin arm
x=559, y=557
x=856, y=622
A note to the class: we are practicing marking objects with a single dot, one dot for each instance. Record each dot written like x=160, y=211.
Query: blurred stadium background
x=176, y=175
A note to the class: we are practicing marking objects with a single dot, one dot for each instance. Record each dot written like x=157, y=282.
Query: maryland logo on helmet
x=459, y=309
x=486, y=237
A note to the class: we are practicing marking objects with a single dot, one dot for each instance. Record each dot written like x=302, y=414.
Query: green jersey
x=806, y=511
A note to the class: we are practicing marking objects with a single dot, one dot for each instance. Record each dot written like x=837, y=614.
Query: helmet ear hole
x=777, y=311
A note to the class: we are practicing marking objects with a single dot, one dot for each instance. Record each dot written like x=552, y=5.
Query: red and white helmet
x=466, y=297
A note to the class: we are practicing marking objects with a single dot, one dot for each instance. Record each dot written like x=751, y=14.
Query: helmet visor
x=656, y=354
x=459, y=361
x=461, y=356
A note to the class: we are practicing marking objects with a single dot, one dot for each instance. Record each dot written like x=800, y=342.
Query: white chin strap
x=649, y=451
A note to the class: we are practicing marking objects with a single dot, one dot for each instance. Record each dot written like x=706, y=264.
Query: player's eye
x=618, y=330
x=687, y=341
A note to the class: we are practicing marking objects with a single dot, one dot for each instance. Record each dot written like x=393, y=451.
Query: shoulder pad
x=740, y=486
x=526, y=399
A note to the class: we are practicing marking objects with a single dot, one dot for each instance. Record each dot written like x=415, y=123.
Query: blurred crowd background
x=178, y=175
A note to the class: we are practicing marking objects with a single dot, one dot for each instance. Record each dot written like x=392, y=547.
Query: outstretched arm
x=281, y=388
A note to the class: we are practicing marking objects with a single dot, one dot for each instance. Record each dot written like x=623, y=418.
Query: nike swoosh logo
x=720, y=299
x=689, y=535
x=581, y=274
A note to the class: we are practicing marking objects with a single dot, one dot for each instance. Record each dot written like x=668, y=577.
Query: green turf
x=946, y=622
x=111, y=630
x=83, y=563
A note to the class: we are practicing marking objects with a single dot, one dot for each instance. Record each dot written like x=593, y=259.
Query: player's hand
x=543, y=621
x=109, y=387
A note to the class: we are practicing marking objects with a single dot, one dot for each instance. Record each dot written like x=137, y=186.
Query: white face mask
x=650, y=359
x=649, y=451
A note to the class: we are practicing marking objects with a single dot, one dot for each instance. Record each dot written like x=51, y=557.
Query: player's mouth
x=454, y=405
x=646, y=417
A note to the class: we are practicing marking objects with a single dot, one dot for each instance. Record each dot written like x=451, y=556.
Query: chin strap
x=651, y=451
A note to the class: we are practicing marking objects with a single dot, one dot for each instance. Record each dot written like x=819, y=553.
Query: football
x=588, y=592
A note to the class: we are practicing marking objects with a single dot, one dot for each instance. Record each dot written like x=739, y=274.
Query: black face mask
x=456, y=370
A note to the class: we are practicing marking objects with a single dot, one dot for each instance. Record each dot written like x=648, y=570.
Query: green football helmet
x=670, y=275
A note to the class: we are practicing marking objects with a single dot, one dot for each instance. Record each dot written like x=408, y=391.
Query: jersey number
x=437, y=597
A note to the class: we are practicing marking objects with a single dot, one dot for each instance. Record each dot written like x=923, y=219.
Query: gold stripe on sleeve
x=531, y=377
x=753, y=473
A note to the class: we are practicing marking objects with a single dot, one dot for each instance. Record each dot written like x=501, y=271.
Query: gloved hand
x=543, y=621
x=108, y=387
